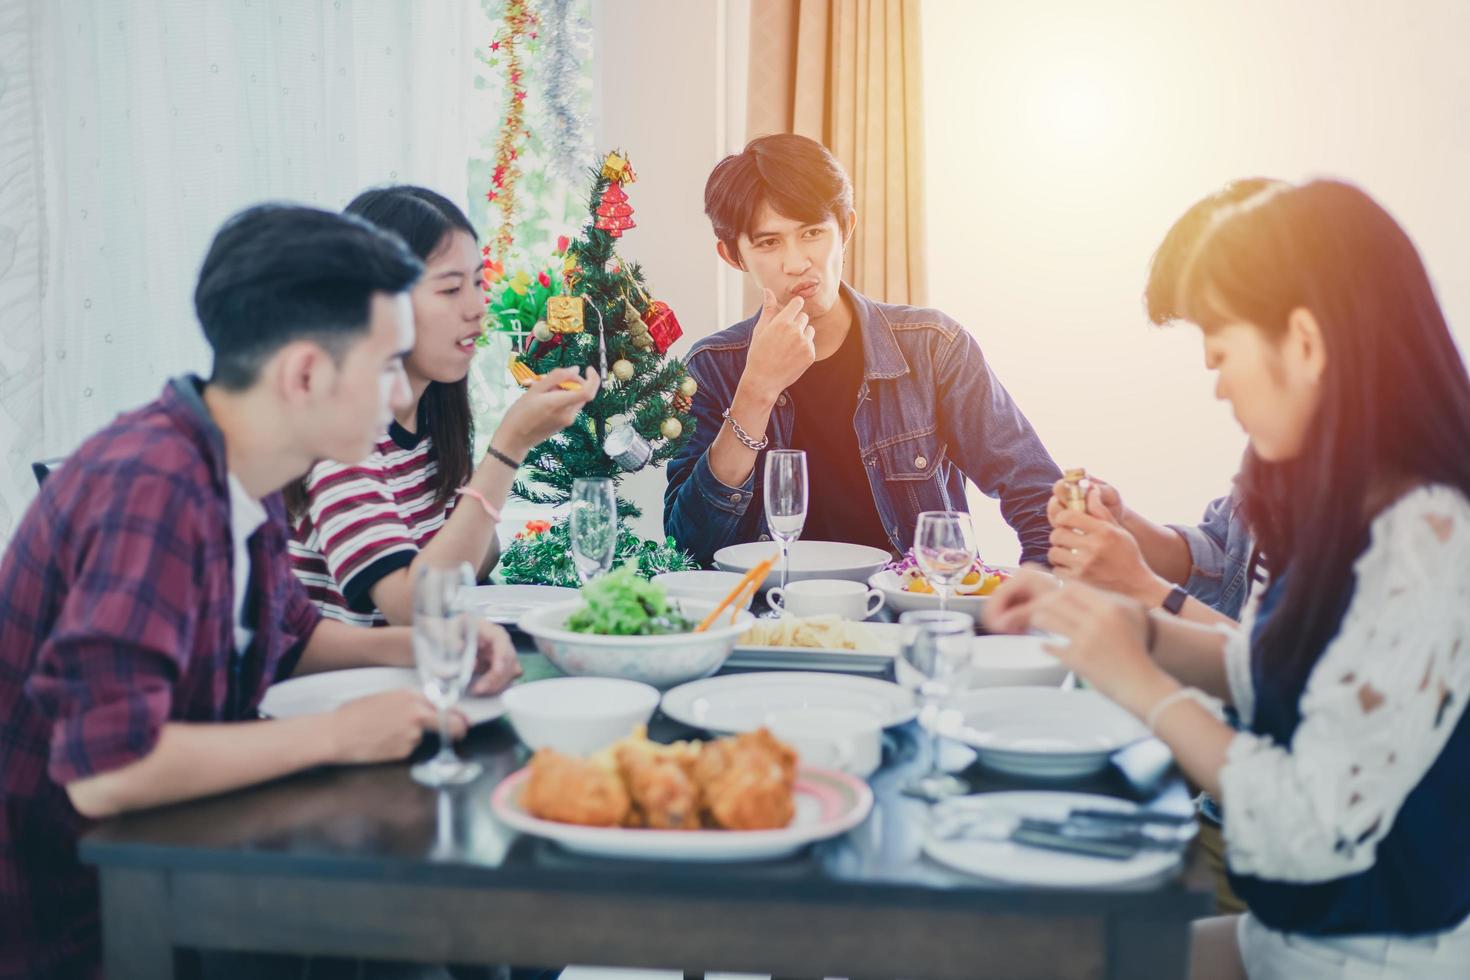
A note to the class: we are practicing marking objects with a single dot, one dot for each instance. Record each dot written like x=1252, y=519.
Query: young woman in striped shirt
x=360, y=530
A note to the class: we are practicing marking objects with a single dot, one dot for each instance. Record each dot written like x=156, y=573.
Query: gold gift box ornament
x=565, y=314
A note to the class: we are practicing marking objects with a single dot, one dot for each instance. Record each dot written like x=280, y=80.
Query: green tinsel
x=546, y=558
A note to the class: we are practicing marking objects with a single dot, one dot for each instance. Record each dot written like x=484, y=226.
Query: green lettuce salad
x=622, y=604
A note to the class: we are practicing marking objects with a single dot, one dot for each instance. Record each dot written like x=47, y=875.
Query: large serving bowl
x=701, y=585
x=809, y=559
x=663, y=661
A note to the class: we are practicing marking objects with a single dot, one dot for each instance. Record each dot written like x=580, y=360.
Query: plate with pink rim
x=828, y=803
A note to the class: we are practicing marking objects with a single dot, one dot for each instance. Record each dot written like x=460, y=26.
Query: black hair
x=277, y=273
x=1394, y=410
x=425, y=220
x=798, y=177
x=1159, y=296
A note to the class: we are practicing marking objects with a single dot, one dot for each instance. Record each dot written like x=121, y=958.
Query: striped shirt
x=364, y=522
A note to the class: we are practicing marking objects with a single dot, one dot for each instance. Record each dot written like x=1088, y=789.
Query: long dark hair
x=424, y=220
x=1395, y=402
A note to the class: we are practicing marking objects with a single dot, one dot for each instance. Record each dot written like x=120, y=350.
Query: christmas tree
x=601, y=315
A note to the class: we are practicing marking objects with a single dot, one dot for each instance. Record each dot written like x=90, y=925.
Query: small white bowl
x=1011, y=661
x=701, y=586
x=577, y=715
x=663, y=661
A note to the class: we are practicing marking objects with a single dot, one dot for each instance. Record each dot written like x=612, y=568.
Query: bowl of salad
x=623, y=626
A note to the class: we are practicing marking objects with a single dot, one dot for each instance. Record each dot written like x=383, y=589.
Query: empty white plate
x=506, y=604
x=741, y=702
x=1046, y=732
x=314, y=693
x=809, y=559
x=1002, y=860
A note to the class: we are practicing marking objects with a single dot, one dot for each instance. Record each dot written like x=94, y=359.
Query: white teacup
x=831, y=738
x=826, y=597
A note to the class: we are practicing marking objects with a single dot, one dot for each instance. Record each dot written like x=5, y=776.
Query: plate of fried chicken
x=731, y=799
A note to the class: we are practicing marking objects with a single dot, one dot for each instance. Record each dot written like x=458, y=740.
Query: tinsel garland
x=567, y=43
x=520, y=24
x=544, y=557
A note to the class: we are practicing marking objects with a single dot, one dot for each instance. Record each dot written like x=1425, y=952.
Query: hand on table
x=1104, y=640
x=386, y=727
x=496, y=663
x=1010, y=607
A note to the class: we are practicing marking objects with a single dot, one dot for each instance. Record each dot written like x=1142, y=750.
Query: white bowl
x=700, y=585
x=1043, y=732
x=663, y=661
x=578, y=715
x=809, y=559
x=1011, y=661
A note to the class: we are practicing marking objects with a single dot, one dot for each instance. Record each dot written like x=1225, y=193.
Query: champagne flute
x=786, y=501
x=444, y=641
x=594, y=530
x=937, y=645
x=944, y=547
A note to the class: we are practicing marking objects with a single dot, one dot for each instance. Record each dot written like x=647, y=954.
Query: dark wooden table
x=364, y=862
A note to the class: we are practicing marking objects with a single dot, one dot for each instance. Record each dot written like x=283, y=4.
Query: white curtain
x=146, y=125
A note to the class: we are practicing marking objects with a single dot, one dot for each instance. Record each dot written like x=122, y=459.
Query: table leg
x=1144, y=948
x=137, y=940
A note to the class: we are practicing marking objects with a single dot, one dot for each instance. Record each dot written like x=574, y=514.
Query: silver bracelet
x=744, y=437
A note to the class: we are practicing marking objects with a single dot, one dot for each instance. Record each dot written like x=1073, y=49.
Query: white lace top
x=1377, y=709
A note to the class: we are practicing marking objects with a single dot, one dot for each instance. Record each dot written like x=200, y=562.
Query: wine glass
x=445, y=636
x=937, y=644
x=786, y=498
x=944, y=547
x=594, y=531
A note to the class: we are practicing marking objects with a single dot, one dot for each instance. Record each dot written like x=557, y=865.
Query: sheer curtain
x=155, y=121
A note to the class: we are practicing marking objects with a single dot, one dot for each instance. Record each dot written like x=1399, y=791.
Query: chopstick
x=756, y=575
x=525, y=377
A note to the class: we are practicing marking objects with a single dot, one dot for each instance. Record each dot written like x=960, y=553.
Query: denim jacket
x=1220, y=549
x=929, y=414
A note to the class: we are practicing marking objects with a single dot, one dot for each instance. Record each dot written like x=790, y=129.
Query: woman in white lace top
x=1347, y=794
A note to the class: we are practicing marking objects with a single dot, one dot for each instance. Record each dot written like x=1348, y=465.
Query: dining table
x=364, y=862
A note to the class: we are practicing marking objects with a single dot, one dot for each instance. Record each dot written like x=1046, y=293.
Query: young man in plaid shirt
x=147, y=600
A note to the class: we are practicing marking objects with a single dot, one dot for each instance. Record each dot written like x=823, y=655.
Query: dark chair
x=42, y=468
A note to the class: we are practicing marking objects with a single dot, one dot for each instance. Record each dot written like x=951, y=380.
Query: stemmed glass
x=786, y=499
x=445, y=636
x=938, y=645
x=594, y=530
x=944, y=547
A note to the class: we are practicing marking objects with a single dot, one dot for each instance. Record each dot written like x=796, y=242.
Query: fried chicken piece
x=748, y=782
x=664, y=795
x=571, y=790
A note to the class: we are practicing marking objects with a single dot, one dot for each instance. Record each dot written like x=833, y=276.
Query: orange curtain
x=847, y=73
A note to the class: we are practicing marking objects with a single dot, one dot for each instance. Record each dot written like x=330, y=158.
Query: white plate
x=1046, y=732
x=1021, y=865
x=314, y=693
x=506, y=604
x=809, y=559
x=885, y=642
x=900, y=600
x=827, y=804
x=740, y=702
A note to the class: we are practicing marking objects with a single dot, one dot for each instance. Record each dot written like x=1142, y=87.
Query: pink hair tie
x=474, y=494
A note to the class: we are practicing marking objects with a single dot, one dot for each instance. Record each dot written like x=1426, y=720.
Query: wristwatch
x=1174, y=601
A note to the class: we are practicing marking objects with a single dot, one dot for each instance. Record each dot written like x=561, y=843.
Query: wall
x=1062, y=142
x=676, y=105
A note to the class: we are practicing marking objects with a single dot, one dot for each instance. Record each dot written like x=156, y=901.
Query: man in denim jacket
x=894, y=406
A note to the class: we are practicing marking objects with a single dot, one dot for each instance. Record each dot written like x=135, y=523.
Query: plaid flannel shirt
x=116, y=607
